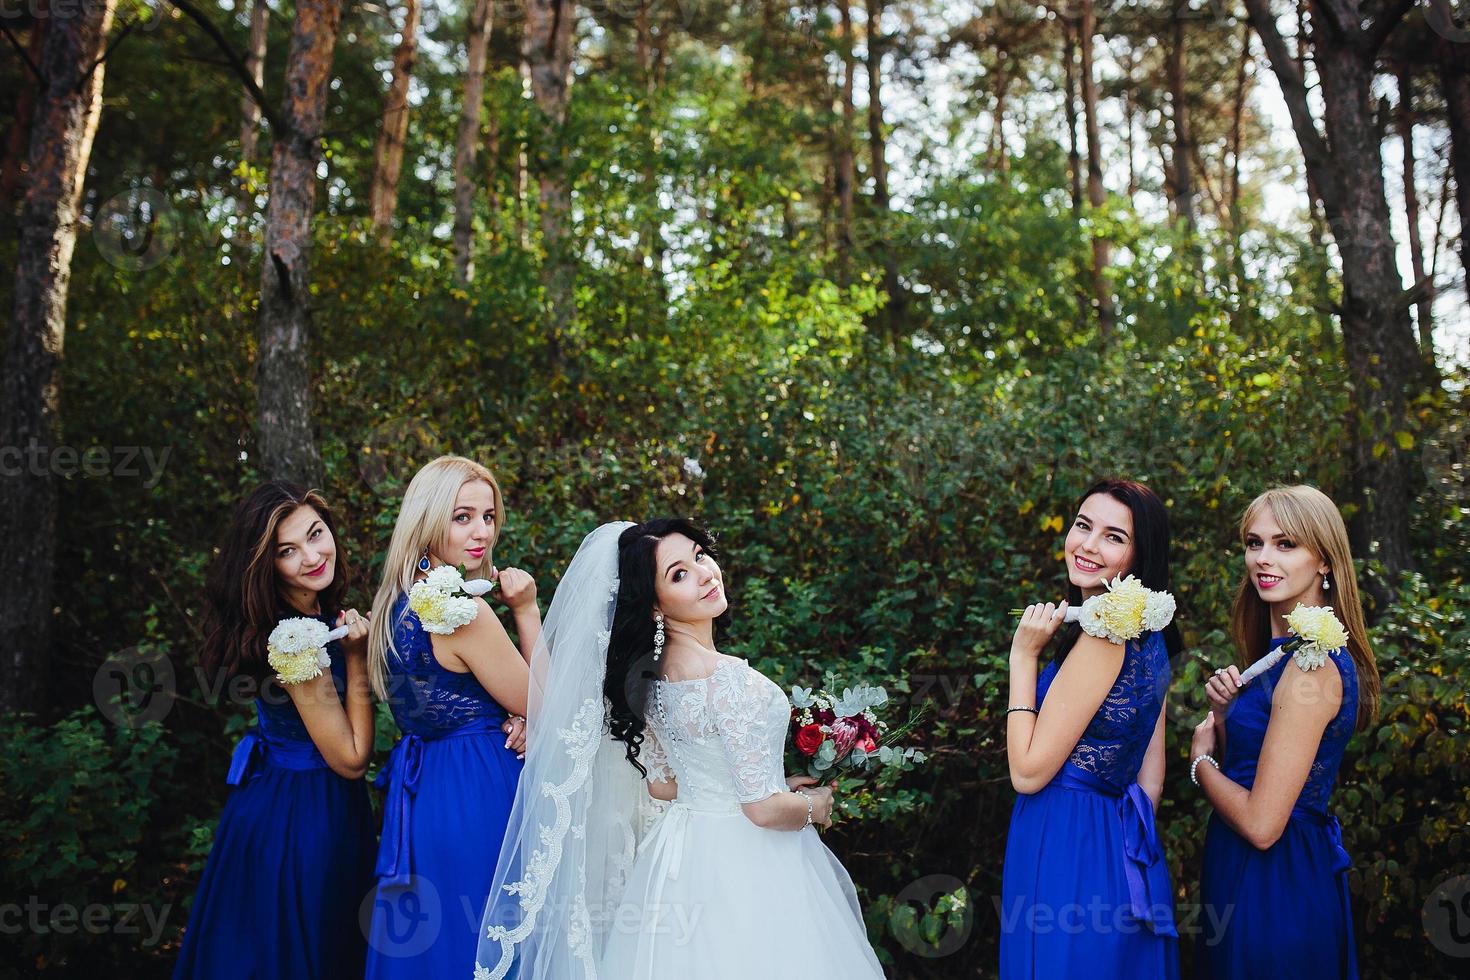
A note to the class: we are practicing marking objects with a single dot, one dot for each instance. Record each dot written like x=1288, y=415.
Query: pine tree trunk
x=1424, y=308
x=388, y=153
x=283, y=376
x=1237, y=117
x=492, y=174
x=844, y=168
x=649, y=250
x=896, y=310
x=999, y=159
x=550, y=31
x=1096, y=196
x=1179, y=106
x=1454, y=83
x=467, y=145
x=1382, y=357
x=18, y=141
x=520, y=178
x=64, y=124
x=260, y=15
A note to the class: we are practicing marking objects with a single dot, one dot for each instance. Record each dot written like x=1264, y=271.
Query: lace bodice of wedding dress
x=712, y=894
x=722, y=736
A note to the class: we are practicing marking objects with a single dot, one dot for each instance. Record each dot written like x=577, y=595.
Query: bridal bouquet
x=444, y=601
x=841, y=734
x=297, y=648
x=1315, y=632
x=1124, y=612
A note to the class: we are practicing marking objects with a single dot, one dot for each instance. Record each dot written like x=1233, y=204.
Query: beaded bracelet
x=811, y=806
x=1193, y=766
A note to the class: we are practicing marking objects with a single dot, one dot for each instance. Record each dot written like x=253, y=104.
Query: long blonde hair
x=423, y=522
x=1310, y=518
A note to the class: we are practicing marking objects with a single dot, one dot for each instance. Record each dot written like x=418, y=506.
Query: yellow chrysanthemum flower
x=296, y=650
x=1319, y=632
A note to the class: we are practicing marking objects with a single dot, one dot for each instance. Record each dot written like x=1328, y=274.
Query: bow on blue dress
x=400, y=777
x=1143, y=856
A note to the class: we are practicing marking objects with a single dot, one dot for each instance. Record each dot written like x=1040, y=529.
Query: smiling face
x=1099, y=546
x=1282, y=570
x=471, y=530
x=306, y=553
x=689, y=587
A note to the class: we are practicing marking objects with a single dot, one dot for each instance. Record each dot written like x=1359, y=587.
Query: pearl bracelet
x=811, y=806
x=1193, y=775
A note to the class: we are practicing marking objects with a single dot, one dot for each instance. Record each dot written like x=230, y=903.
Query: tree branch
x=24, y=54
x=278, y=124
x=1294, y=90
x=121, y=36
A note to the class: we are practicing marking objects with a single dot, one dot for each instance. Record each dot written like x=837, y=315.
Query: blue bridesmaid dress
x=292, y=859
x=1285, y=910
x=1085, y=890
x=451, y=782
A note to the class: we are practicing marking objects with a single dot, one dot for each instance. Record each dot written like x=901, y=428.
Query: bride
x=654, y=833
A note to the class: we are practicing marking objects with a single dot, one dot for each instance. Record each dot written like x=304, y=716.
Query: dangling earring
x=1326, y=585
x=424, y=561
x=658, y=636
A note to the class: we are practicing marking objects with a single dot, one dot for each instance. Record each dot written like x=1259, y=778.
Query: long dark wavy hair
x=630, y=667
x=243, y=600
x=1150, y=553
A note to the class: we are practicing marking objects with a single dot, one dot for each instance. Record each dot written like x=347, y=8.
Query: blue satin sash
x=1144, y=867
x=254, y=752
x=401, y=779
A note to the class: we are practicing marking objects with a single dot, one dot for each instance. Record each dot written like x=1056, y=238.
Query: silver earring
x=1326, y=585
x=658, y=636
x=424, y=561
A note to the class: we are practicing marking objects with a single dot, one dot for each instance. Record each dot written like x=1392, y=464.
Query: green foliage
x=89, y=836
x=883, y=492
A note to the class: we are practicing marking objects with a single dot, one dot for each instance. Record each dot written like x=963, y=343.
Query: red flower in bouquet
x=809, y=739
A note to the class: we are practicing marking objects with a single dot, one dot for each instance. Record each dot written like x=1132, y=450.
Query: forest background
x=874, y=289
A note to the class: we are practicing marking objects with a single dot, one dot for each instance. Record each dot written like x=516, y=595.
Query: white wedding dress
x=596, y=882
x=710, y=894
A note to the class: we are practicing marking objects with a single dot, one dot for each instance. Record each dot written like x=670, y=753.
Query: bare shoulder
x=1092, y=659
x=1311, y=693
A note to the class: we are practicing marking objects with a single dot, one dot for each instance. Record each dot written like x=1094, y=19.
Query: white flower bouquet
x=444, y=601
x=1124, y=612
x=297, y=648
x=1315, y=632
